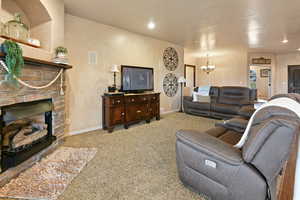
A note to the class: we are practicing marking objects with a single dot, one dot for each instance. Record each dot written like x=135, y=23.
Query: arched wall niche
x=34, y=14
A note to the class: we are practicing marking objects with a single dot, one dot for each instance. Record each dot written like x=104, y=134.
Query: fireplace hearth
x=26, y=129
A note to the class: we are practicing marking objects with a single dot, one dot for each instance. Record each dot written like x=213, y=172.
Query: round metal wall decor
x=170, y=85
x=171, y=58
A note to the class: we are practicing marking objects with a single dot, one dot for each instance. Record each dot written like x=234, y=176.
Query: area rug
x=51, y=176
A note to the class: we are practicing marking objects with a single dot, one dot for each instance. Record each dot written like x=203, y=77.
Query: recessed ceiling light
x=285, y=41
x=151, y=25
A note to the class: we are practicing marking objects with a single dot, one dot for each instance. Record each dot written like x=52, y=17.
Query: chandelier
x=208, y=68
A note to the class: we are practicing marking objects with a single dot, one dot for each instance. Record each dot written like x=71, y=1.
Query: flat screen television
x=136, y=79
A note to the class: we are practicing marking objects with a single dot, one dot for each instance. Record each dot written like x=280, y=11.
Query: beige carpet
x=50, y=177
x=134, y=164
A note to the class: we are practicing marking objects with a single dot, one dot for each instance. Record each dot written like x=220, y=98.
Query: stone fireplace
x=30, y=119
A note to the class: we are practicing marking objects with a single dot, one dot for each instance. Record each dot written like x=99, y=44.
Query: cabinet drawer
x=116, y=101
x=154, y=98
x=131, y=99
x=143, y=99
x=136, y=99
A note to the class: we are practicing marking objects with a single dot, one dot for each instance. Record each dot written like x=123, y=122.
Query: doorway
x=190, y=75
x=294, y=78
x=260, y=78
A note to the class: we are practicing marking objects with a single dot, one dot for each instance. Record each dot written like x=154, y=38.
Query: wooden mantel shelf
x=38, y=62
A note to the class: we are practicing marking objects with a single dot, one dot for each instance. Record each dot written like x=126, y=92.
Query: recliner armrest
x=236, y=124
x=211, y=146
x=246, y=111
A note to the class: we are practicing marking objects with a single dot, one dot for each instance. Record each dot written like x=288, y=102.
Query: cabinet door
x=154, y=108
x=135, y=112
x=117, y=115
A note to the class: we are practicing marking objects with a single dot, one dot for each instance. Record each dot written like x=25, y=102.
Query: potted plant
x=13, y=59
x=61, y=52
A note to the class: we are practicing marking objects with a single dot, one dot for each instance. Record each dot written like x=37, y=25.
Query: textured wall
x=113, y=46
x=50, y=33
x=37, y=75
x=283, y=61
x=56, y=10
x=231, y=69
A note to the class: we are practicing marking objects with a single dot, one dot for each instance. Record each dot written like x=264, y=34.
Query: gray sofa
x=208, y=162
x=226, y=102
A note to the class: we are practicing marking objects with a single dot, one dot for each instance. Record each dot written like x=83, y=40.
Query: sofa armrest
x=210, y=146
x=188, y=98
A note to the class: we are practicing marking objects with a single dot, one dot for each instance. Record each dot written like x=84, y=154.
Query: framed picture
x=261, y=61
x=264, y=73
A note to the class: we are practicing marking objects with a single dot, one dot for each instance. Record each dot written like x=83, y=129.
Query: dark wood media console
x=128, y=109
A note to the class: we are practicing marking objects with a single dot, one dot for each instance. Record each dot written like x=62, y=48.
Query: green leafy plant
x=13, y=59
x=61, y=49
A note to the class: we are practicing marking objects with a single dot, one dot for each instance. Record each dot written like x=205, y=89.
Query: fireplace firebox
x=25, y=129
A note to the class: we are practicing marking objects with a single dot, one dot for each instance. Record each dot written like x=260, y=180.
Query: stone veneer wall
x=37, y=76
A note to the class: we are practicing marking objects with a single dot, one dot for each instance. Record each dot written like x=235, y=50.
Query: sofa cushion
x=234, y=95
x=188, y=102
x=231, y=137
x=225, y=108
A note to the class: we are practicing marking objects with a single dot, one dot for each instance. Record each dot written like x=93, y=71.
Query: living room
x=149, y=100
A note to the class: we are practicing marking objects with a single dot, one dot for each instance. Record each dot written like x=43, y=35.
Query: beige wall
x=51, y=33
x=56, y=10
x=189, y=57
x=86, y=83
x=231, y=69
x=283, y=60
x=12, y=7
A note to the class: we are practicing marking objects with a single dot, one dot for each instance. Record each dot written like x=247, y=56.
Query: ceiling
x=203, y=25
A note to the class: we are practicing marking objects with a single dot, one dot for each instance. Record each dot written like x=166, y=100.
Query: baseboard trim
x=85, y=130
x=169, y=112
x=82, y=131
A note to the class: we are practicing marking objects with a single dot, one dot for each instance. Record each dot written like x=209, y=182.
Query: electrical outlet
x=92, y=58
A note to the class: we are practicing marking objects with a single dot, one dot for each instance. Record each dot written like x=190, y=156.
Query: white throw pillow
x=200, y=98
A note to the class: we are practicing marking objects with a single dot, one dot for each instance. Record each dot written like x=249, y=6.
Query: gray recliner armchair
x=217, y=169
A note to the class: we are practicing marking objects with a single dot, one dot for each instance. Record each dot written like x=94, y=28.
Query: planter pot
x=61, y=55
x=2, y=48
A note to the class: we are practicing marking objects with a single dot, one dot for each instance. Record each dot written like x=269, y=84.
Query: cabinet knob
x=122, y=114
x=118, y=101
x=132, y=100
x=145, y=99
x=138, y=111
